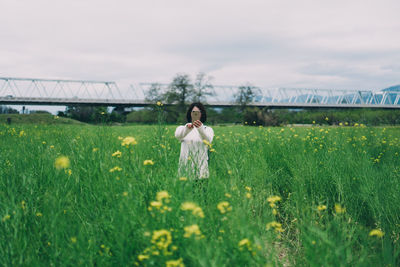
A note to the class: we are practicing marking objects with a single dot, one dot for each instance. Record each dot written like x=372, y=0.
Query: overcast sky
x=344, y=44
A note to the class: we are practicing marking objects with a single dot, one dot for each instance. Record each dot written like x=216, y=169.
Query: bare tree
x=245, y=95
x=203, y=87
x=154, y=94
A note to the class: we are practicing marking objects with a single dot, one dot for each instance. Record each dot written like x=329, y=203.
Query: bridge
x=28, y=91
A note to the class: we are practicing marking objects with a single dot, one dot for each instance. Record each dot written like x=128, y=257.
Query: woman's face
x=196, y=114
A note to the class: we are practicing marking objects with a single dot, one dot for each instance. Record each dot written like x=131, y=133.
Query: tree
x=180, y=90
x=245, y=95
x=154, y=94
x=87, y=113
x=203, y=87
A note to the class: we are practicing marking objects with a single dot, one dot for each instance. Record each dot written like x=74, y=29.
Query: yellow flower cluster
x=175, y=263
x=339, y=209
x=148, y=162
x=224, y=207
x=61, y=162
x=128, y=141
x=248, y=194
x=192, y=230
x=196, y=210
x=377, y=233
x=6, y=217
x=116, y=169
x=162, y=198
x=209, y=145
x=272, y=200
x=275, y=225
x=104, y=250
x=321, y=207
x=117, y=154
x=245, y=243
x=161, y=241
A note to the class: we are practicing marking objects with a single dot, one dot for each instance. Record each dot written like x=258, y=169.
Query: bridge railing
x=52, y=91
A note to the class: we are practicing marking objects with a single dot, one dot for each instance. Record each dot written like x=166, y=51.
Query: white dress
x=193, y=161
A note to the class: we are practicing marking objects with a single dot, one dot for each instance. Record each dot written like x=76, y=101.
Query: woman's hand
x=189, y=125
x=197, y=123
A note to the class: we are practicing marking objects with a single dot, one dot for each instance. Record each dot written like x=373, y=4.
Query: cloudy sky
x=344, y=44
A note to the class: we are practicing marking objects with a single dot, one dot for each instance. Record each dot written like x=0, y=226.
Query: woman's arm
x=182, y=131
x=206, y=133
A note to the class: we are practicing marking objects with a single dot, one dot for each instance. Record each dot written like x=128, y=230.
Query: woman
x=195, y=139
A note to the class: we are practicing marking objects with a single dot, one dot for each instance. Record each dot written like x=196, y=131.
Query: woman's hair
x=200, y=106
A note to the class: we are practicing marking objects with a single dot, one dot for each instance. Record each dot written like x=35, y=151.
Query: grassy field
x=309, y=196
x=36, y=118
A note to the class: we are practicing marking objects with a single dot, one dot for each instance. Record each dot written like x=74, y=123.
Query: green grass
x=36, y=118
x=87, y=215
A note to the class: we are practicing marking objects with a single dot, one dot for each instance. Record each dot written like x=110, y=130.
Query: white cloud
x=305, y=43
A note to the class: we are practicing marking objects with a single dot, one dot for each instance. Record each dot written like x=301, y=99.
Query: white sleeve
x=206, y=133
x=181, y=132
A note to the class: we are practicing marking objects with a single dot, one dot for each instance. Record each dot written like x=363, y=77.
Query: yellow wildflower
x=159, y=103
x=61, y=163
x=321, y=207
x=95, y=149
x=73, y=239
x=192, y=230
x=188, y=206
x=224, y=207
x=206, y=142
x=162, y=239
x=125, y=194
x=129, y=140
x=376, y=232
x=339, y=209
x=248, y=188
x=248, y=195
x=272, y=200
x=275, y=225
x=196, y=210
x=148, y=162
x=116, y=168
x=163, y=195
x=6, y=217
x=228, y=195
x=245, y=243
x=156, y=204
x=39, y=214
x=143, y=257
x=182, y=179
x=175, y=263
x=117, y=154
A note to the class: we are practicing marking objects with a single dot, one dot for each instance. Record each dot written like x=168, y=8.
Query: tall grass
x=88, y=212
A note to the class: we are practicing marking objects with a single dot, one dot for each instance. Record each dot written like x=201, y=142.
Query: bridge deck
x=143, y=103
